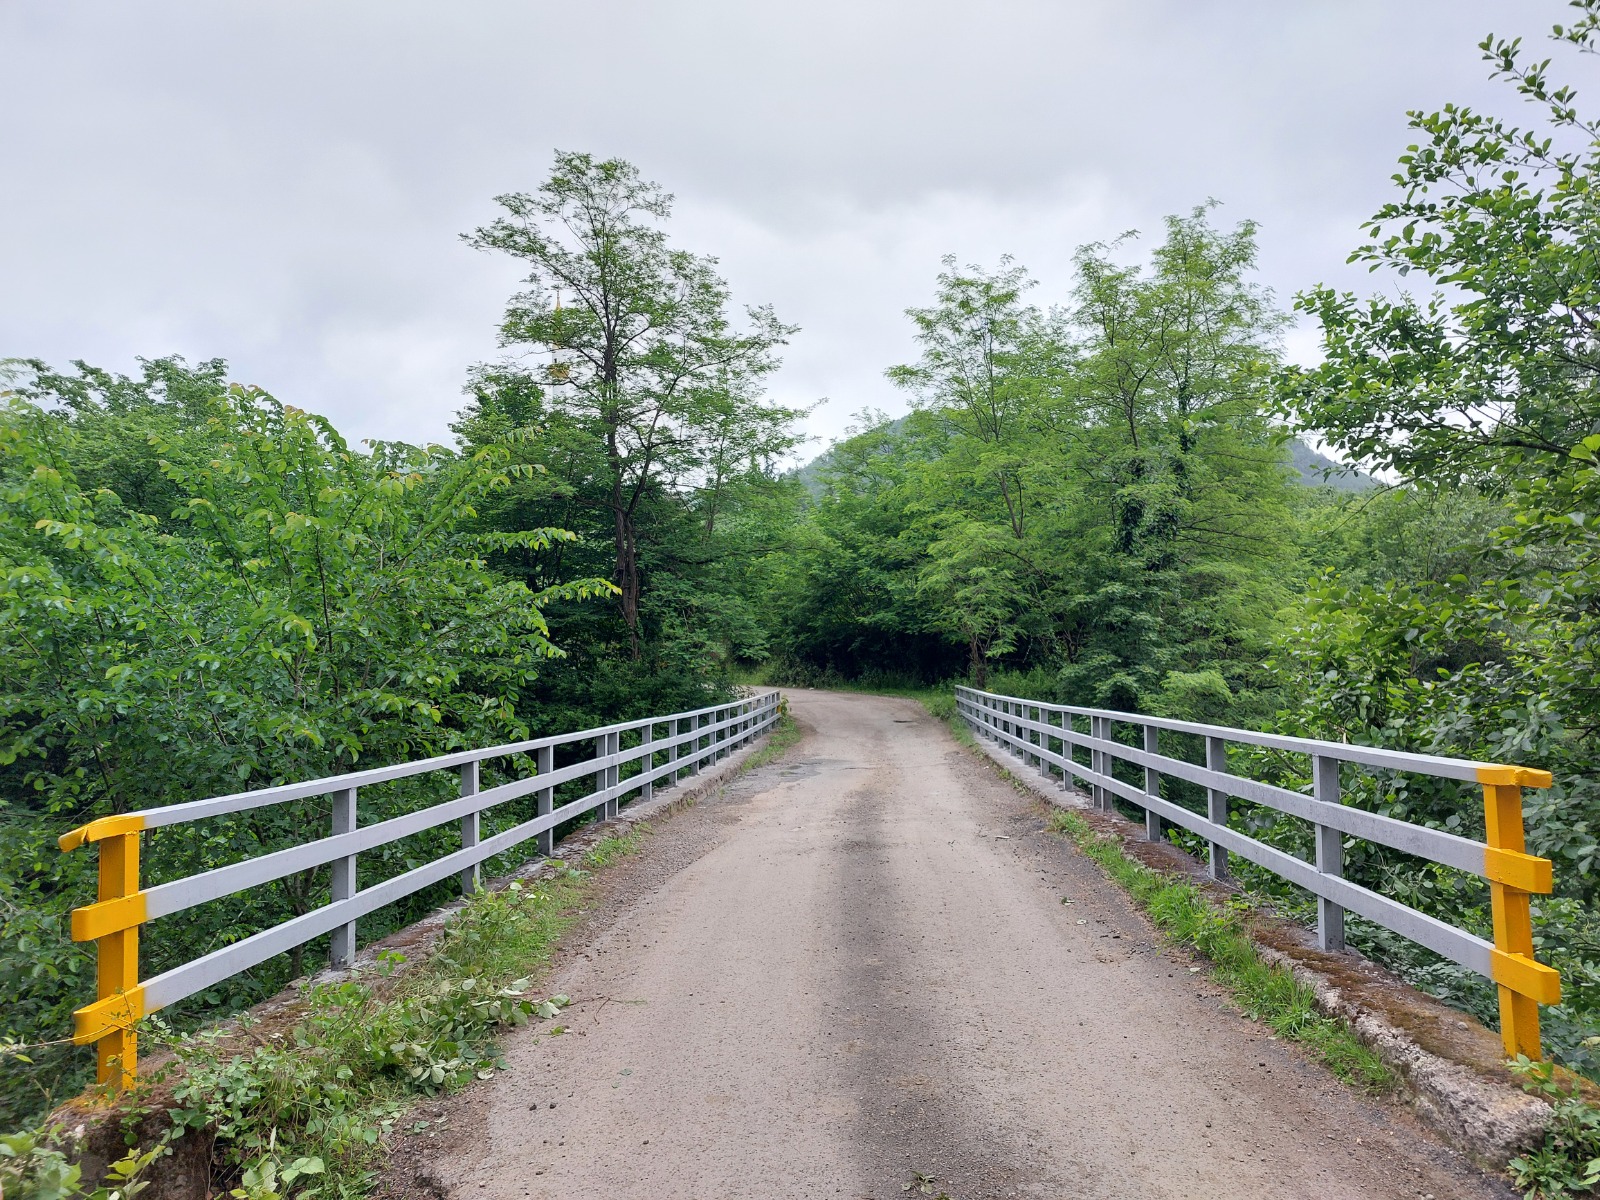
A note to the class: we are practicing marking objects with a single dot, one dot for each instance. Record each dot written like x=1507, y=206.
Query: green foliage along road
x=1091, y=500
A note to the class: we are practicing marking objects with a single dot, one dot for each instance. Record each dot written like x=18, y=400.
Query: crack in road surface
x=852, y=973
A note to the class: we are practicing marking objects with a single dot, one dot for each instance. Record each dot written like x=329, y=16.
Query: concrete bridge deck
x=854, y=972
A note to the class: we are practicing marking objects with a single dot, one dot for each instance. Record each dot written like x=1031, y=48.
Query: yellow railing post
x=112, y=923
x=1513, y=875
x=118, y=952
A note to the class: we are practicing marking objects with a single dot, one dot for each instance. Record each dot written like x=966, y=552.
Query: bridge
x=869, y=966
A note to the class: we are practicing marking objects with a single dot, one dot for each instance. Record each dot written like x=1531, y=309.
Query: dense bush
x=294, y=609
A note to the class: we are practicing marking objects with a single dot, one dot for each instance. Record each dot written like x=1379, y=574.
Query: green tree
x=1494, y=374
x=972, y=586
x=646, y=383
x=986, y=357
x=1094, y=493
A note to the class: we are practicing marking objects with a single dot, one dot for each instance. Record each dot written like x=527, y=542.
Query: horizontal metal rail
x=691, y=739
x=1045, y=735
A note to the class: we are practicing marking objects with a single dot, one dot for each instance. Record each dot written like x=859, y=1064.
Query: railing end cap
x=1503, y=776
x=100, y=829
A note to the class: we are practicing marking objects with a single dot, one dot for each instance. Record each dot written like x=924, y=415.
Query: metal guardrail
x=1048, y=733
x=113, y=921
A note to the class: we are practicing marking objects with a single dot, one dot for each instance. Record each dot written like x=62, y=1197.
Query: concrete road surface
x=854, y=974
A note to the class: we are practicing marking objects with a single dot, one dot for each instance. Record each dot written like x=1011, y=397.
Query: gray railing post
x=613, y=772
x=1217, y=804
x=471, y=825
x=1152, y=784
x=1094, y=763
x=1037, y=718
x=544, y=760
x=694, y=744
x=600, y=771
x=647, y=737
x=676, y=728
x=1066, y=749
x=1100, y=760
x=1330, y=852
x=342, y=948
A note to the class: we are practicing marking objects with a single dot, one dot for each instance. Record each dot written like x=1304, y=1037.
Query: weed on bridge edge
x=1263, y=991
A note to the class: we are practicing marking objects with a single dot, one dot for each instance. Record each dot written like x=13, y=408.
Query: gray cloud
x=282, y=184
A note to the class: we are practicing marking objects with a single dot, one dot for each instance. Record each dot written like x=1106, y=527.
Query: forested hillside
x=1096, y=497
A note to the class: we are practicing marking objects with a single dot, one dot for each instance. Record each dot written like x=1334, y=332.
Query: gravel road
x=867, y=970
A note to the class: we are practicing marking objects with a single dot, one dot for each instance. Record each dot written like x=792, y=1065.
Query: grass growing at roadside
x=303, y=1112
x=614, y=846
x=1263, y=991
x=1567, y=1162
x=785, y=733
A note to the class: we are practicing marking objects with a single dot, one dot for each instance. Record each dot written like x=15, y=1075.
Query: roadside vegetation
x=785, y=733
x=304, y=1110
x=1567, y=1162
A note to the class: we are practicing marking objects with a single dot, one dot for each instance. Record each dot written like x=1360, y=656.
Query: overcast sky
x=282, y=184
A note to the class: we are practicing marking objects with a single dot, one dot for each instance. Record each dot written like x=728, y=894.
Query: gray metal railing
x=686, y=741
x=1044, y=735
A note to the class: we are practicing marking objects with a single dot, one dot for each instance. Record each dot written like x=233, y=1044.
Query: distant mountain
x=810, y=475
x=1315, y=470
x=1318, y=470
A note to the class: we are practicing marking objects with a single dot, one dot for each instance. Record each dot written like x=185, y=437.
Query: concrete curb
x=1476, y=1105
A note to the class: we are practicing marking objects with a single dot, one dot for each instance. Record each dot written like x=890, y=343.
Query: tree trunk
x=628, y=576
x=979, y=662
